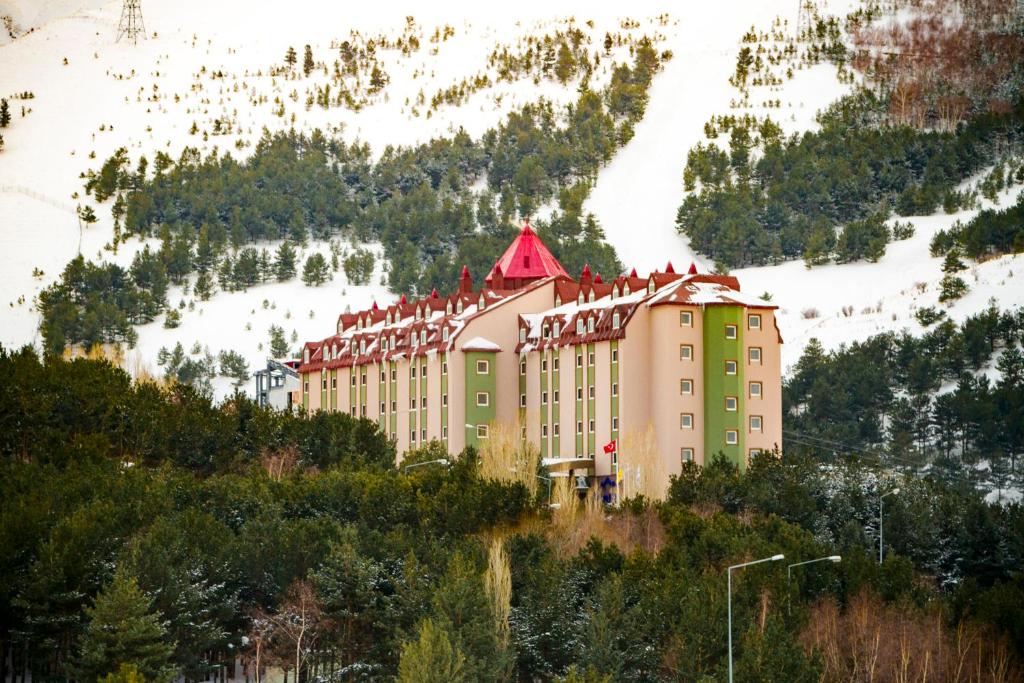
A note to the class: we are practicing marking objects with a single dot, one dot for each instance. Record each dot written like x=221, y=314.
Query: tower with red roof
x=526, y=260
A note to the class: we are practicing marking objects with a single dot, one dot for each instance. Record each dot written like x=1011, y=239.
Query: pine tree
x=204, y=286
x=278, y=345
x=290, y=57
x=284, y=263
x=316, y=271
x=123, y=630
x=378, y=79
x=307, y=61
x=5, y=114
x=952, y=263
x=432, y=657
x=565, y=65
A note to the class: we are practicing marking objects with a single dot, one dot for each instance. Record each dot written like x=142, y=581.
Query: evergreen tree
x=278, y=345
x=123, y=630
x=307, y=61
x=203, y=287
x=315, y=272
x=284, y=263
x=205, y=252
x=246, y=272
x=5, y=114
x=565, y=64
x=290, y=57
x=378, y=79
x=432, y=657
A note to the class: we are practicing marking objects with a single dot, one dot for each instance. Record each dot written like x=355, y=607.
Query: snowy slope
x=147, y=98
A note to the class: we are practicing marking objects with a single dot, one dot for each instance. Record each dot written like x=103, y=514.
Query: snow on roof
x=480, y=344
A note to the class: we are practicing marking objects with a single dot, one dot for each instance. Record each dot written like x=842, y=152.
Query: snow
x=480, y=344
x=108, y=86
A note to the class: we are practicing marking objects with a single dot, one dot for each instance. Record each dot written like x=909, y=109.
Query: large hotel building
x=684, y=364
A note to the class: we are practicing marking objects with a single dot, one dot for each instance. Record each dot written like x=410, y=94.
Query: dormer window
x=650, y=287
x=392, y=340
x=590, y=324
x=558, y=300
x=579, y=299
x=448, y=308
x=423, y=337
x=458, y=306
x=615, y=292
x=625, y=289
x=544, y=332
x=480, y=304
x=579, y=325
x=444, y=334
x=305, y=356
x=362, y=346
x=558, y=330
x=616, y=320
x=590, y=297
x=383, y=344
x=522, y=334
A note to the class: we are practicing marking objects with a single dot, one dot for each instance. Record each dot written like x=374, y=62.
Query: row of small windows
x=755, y=424
x=579, y=362
x=753, y=323
x=686, y=453
x=753, y=357
x=686, y=388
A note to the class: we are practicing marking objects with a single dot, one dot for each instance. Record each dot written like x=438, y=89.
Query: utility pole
x=131, y=25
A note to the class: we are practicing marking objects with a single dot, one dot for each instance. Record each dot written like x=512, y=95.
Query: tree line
x=294, y=542
x=787, y=201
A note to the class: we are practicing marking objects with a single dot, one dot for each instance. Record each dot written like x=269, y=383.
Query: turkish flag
x=610, y=446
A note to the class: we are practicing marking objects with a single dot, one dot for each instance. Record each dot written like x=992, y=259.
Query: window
x=555, y=397
x=615, y=321
x=423, y=402
x=579, y=360
x=686, y=420
x=412, y=403
x=650, y=287
x=590, y=426
x=483, y=367
x=755, y=423
x=615, y=388
x=444, y=368
x=412, y=372
x=352, y=411
x=334, y=383
x=353, y=382
x=753, y=321
x=544, y=431
x=754, y=355
x=305, y=387
x=383, y=407
x=556, y=330
x=394, y=406
x=394, y=374
x=394, y=436
x=615, y=355
x=481, y=431
x=522, y=433
x=543, y=398
x=522, y=334
x=323, y=384
x=522, y=400
x=554, y=364
x=483, y=398
x=590, y=324
x=686, y=386
x=444, y=334
x=544, y=332
x=522, y=368
x=685, y=319
x=444, y=431
x=755, y=390
x=412, y=435
x=754, y=452
x=305, y=356
x=579, y=393
x=686, y=352
x=444, y=400
x=732, y=437
x=423, y=371
x=543, y=364
x=362, y=410
x=423, y=435
x=590, y=358
x=615, y=424
x=686, y=454
x=554, y=429
x=731, y=404
x=579, y=325
x=362, y=379
x=730, y=367
x=590, y=392
x=579, y=426
x=383, y=376
x=730, y=331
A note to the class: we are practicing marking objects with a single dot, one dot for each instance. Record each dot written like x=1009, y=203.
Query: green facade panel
x=479, y=382
x=718, y=385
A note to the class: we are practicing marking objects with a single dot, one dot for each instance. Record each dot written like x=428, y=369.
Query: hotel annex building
x=573, y=364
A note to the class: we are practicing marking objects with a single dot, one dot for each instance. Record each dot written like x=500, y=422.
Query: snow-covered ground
x=147, y=98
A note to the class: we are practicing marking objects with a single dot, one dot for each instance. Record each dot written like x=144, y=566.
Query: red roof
x=527, y=257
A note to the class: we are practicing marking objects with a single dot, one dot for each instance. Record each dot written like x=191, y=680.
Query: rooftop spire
x=465, y=281
x=403, y=300
x=632, y=273
x=669, y=268
x=693, y=268
x=433, y=293
x=526, y=260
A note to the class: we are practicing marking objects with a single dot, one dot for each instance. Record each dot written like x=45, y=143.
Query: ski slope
x=148, y=97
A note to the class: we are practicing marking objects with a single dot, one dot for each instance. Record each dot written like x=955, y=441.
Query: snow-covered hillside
x=210, y=75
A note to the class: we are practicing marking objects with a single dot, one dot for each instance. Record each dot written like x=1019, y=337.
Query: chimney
x=465, y=281
x=497, y=278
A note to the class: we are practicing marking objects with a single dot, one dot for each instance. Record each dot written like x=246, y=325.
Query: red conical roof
x=632, y=273
x=527, y=258
x=433, y=293
x=465, y=273
x=693, y=268
x=669, y=268
x=375, y=307
x=403, y=300
x=598, y=280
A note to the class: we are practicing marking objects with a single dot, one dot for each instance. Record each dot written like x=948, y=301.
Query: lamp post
x=439, y=461
x=881, y=529
x=773, y=558
x=789, y=573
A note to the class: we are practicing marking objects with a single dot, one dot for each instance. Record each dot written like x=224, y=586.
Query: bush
x=952, y=288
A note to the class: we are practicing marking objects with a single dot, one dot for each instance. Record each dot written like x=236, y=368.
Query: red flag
x=610, y=446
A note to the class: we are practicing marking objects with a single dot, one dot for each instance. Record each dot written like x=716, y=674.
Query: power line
x=848, y=449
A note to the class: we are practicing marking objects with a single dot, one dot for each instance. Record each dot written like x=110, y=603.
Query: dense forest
x=787, y=201
x=149, y=533
x=418, y=202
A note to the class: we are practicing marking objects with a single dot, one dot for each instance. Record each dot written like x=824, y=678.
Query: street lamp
x=881, y=531
x=789, y=571
x=773, y=558
x=439, y=461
